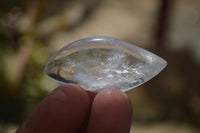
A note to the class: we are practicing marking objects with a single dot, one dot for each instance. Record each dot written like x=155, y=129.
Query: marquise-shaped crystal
x=98, y=63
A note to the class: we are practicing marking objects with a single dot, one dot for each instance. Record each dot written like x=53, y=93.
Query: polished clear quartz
x=98, y=63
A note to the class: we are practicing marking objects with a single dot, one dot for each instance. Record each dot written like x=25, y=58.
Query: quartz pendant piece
x=98, y=63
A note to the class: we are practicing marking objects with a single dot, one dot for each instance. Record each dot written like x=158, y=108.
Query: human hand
x=70, y=109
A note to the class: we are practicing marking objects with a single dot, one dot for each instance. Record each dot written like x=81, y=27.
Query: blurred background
x=31, y=31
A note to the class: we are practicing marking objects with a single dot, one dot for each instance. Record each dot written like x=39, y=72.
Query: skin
x=70, y=109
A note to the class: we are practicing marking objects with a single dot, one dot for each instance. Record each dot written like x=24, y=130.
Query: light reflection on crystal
x=98, y=63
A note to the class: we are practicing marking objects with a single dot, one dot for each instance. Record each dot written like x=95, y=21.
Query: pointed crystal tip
x=98, y=63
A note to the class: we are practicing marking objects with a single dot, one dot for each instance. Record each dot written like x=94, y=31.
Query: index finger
x=111, y=112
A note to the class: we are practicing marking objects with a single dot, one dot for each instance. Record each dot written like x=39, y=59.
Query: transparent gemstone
x=98, y=63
